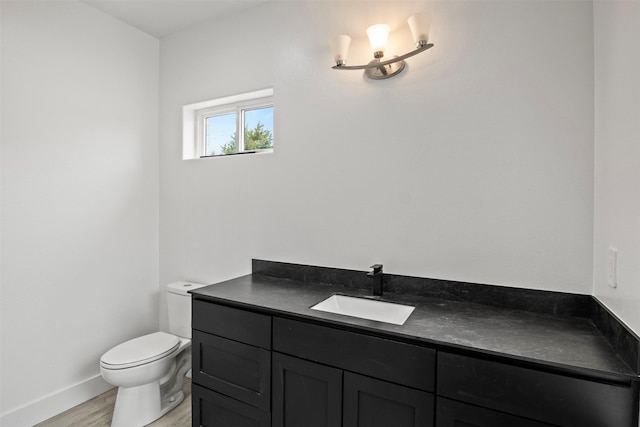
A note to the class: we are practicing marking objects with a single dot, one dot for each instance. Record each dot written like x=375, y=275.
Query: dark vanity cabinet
x=231, y=366
x=341, y=378
x=314, y=395
x=370, y=402
x=256, y=369
x=456, y=414
x=312, y=392
x=555, y=399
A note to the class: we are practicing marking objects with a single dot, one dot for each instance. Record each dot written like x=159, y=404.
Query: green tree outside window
x=257, y=138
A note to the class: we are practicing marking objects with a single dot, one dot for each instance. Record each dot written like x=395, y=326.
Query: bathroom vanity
x=263, y=357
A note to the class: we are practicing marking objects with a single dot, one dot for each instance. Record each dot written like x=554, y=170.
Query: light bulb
x=340, y=48
x=378, y=35
x=419, y=25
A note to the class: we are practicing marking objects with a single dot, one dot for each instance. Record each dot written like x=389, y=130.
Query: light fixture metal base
x=384, y=71
x=379, y=69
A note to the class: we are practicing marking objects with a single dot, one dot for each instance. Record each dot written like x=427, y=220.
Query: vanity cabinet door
x=305, y=394
x=374, y=403
x=234, y=369
x=212, y=409
x=455, y=414
x=389, y=360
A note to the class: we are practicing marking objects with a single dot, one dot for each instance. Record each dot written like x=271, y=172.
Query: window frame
x=237, y=108
x=194, y=121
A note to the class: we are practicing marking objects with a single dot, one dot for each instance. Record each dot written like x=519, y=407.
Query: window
x=232, y=125
x=238, y=130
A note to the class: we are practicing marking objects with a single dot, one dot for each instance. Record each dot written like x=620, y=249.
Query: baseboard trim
x=55, y=403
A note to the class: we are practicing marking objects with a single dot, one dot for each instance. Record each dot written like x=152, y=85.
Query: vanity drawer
x=235, y=324
x=214, y=409
x=393, y=361
x=539, y=395
x=455, y=414
x=237, y=370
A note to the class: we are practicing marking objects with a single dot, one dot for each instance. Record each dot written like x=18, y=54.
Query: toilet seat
x=140, y=351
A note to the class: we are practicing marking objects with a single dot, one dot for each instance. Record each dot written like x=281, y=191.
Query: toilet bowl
x=149, y=370
x=142, y=369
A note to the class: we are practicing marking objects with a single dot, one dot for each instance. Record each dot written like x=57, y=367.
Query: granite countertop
x=565, y=342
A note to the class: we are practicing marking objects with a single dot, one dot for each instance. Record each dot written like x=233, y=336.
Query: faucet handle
x=377, y=268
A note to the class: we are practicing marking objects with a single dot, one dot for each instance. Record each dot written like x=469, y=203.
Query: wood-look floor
x=98, y=411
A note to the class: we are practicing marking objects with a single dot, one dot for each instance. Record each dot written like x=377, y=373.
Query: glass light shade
x=378, y=35
x=340, y=48
x=419, y=25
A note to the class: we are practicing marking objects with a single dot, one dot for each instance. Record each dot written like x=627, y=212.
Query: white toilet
x=149, y=371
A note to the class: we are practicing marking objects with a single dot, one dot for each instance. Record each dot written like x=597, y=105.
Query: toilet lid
x=141, y=350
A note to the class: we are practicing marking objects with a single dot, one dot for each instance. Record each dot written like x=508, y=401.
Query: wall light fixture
x=378, y=34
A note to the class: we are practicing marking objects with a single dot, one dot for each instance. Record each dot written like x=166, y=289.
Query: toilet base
x=171, y=403
x=139, y=406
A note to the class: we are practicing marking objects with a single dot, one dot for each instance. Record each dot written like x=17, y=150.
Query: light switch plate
x=612, y=267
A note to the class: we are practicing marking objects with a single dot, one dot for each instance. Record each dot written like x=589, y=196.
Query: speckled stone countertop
x=566, y=342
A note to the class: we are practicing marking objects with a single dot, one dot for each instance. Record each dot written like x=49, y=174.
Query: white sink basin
x=365, y=308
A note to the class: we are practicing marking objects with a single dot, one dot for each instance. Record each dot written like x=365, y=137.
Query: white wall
x=475, y=164
x=79, y=200
x=617, y=155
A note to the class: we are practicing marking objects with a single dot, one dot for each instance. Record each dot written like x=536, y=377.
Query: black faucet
x=376, y=275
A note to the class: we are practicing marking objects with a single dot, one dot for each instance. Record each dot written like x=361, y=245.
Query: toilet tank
x=179, y=303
